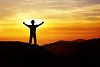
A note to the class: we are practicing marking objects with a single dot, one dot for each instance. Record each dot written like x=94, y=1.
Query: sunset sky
x=63, y=19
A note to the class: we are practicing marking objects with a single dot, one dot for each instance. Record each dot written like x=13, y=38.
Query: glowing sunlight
x=70, y=20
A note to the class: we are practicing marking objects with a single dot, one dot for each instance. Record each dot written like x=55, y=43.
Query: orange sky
x=64, y=19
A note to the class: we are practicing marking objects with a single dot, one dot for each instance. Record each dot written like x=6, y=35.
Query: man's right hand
x=23, y=22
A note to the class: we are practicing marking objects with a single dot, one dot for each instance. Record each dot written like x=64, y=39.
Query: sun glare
x=37, y=21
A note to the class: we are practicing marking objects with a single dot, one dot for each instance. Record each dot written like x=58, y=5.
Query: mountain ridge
x=58, y=54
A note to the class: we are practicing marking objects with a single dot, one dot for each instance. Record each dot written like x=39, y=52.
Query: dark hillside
x=19, y=54
x=84, y=53
x=78, y=53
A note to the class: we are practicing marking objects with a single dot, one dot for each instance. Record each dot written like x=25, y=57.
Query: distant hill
x=80, y=40
x=77, y=53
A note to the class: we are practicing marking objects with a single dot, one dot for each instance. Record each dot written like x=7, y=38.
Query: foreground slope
x=19, y=54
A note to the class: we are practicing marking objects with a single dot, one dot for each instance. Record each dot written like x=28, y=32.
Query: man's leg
x=30, y=40
x=35, y=41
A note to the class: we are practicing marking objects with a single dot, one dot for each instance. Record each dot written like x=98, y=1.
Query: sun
x=37, y=21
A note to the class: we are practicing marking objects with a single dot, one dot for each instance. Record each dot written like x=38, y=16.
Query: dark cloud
x=82, y=3
x=89, y=13
x=91, y=2
x=93, y=12
x=93, y=18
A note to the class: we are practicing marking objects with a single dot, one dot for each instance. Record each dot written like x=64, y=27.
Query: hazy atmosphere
x=63, y=19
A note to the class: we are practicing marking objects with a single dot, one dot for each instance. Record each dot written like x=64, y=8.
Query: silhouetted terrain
x=19, y=54
x=78, y=53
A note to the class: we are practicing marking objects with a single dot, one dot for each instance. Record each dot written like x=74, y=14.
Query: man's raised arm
x=25, y=24
x=41, y=23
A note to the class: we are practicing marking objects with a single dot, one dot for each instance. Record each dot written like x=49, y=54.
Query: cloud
x=47, y=5
x=50, y=9
x=93, y=18
x=7, y=7
x=91, y=2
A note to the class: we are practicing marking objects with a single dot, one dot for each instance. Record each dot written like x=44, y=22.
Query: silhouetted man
x=33, y=31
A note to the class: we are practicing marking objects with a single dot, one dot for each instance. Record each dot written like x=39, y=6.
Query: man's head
x=32, y=22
